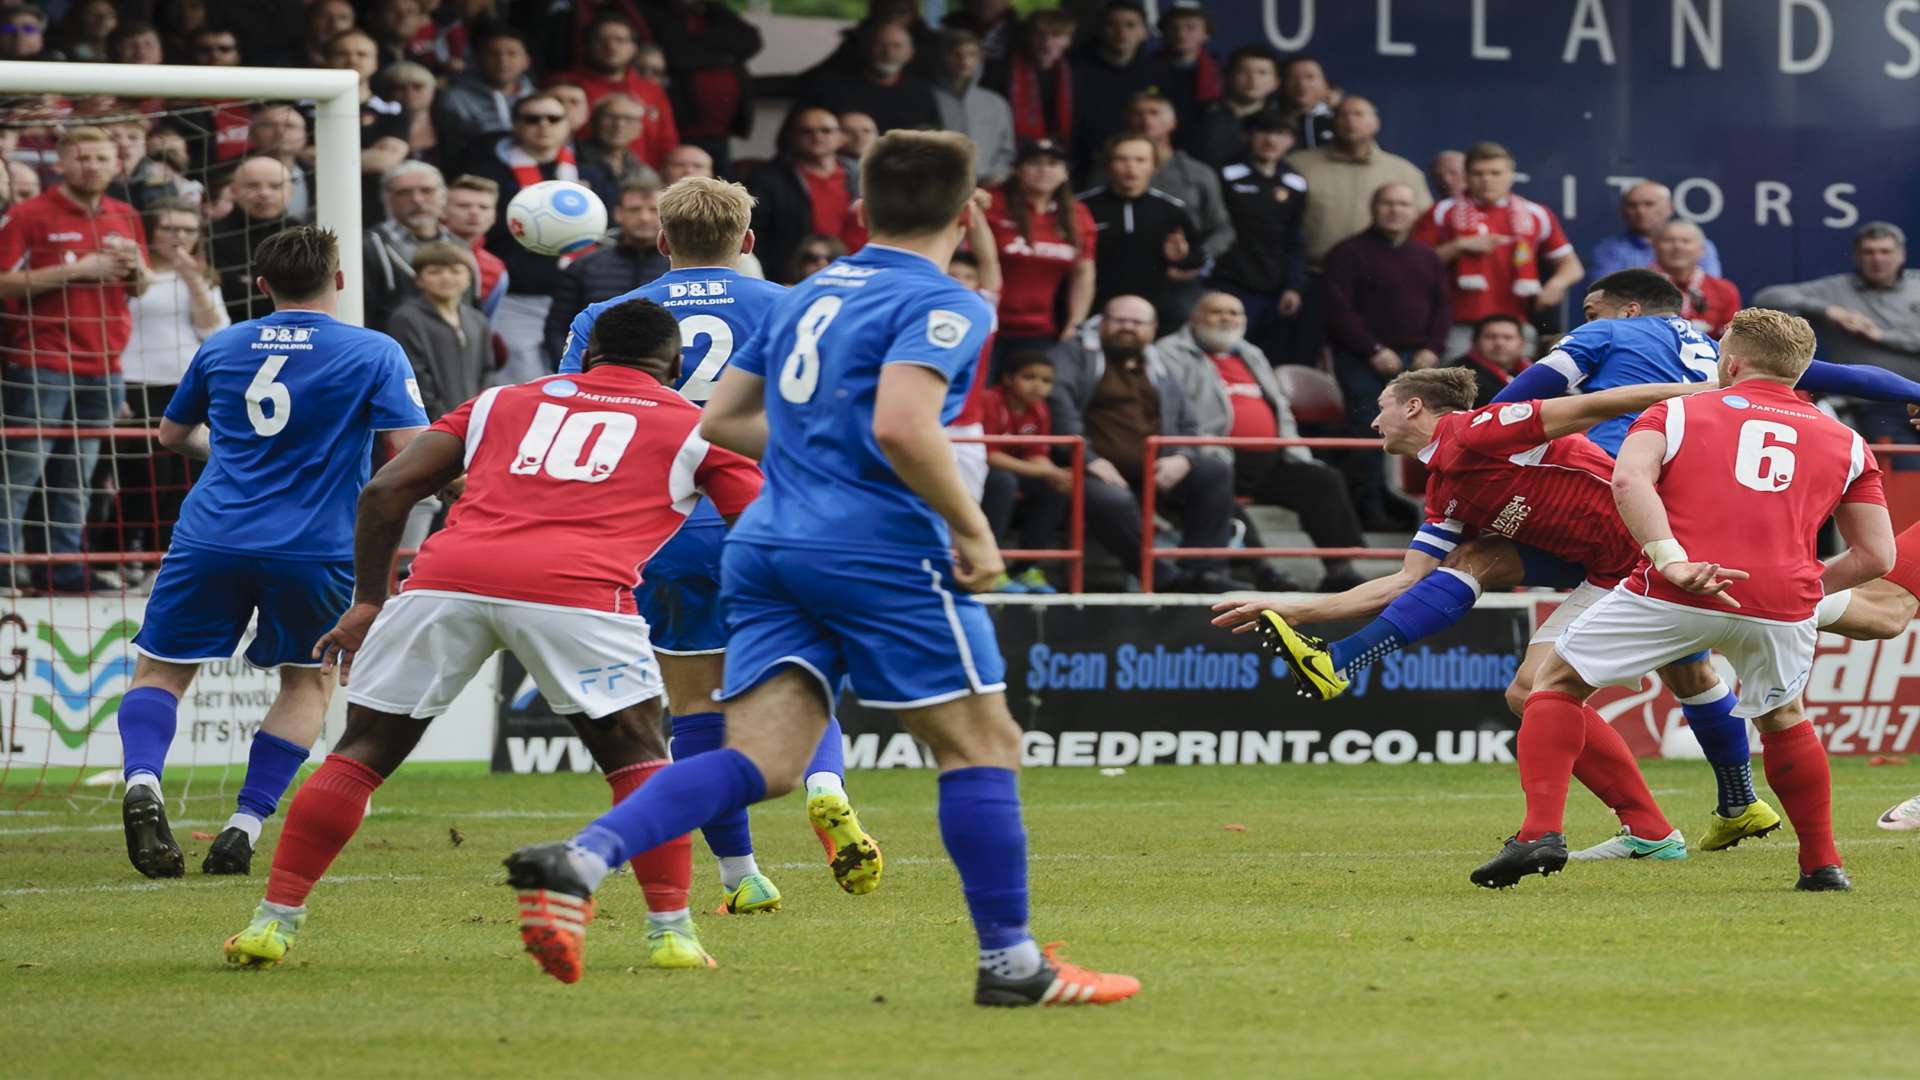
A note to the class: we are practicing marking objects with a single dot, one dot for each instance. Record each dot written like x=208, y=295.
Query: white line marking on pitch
x=156, y=886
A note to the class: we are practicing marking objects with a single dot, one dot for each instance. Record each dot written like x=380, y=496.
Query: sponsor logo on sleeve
x=946, y=329
x=413, y=391
x=1514, y=414
x=560, y=388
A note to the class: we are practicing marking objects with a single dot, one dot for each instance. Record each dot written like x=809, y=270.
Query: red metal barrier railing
x=1075, y=553
x=1149, y=500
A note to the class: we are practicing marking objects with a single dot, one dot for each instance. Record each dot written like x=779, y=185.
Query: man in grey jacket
x=967, y=107
x=415, y=195
x=1870, y=316
x=481, y=102
x=1114, y=391
x=1233, y=391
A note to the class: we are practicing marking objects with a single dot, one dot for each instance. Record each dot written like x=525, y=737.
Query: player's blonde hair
x=705, y=219
x=1442, y=390
x=86, y=133
x=1769, y=341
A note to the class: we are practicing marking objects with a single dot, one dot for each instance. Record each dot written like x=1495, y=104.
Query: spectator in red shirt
x=473, y=204
x=1708, y=302
x=1044, y=237
x=705, y=47
x=808, y=189
x=1499, y=353
x=1023, y=475
x=73, y=258
x=1037, y=78
x=1234, y=392
x=612, y=44
x=1497, y=246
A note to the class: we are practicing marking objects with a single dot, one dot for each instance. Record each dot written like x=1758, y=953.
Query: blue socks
x=1723, y=736
x=729, y=835
x=271, y=766
x=1435, y=602
x=831, y=755
x=148, y=718
x=980, y=824
x=673, y=803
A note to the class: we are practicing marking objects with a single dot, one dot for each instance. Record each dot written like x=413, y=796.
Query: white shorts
x=1583, y=596
x=426, y=646
x=970, y=459
x=1625, y=635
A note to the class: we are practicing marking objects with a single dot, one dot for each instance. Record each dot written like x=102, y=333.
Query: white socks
x=736, y=868
x=591, y=867
x=144, y=779
x=681, y=920
x=248, y=824
x=825, y=783
x=1014, y=962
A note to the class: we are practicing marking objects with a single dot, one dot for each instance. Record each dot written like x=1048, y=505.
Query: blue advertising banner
x=1781, y=125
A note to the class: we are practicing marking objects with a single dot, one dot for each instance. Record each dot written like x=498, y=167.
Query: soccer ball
x=556, y=217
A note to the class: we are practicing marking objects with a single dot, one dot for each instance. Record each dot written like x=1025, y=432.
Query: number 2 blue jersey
x=291, y=403
x=719, y=310
x=821, y=351
x=1607, y=353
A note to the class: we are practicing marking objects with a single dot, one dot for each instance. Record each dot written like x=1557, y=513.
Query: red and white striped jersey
x=573, y=482
x=1493, y=470
x=1751, y=473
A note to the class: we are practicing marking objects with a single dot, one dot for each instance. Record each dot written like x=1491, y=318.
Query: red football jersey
x=1034, y=265
x=1502, y=281
x=998, y=419
x=82, y=327
x=573, y=482
x=1494, y=470
x=1751, y=473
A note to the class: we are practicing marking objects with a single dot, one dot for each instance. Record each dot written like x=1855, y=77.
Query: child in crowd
x=1028, y=474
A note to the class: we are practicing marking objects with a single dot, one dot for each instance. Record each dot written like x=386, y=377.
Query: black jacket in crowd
x=783, y=216
x=235, y=237
x=1268, y=255
x=596, y=276
x=1129, y=257
x=729, y=41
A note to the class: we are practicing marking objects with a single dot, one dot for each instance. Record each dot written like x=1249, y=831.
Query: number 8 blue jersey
x=719, y=310
x=291, y=403
x=821, y=352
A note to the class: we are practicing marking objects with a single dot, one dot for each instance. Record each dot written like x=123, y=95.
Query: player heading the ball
x=843, y=572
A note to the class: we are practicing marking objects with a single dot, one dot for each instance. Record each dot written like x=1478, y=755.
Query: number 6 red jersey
x=1751, y=473
x=573, y=482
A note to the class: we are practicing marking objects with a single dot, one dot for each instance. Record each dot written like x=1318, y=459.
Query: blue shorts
x=679, y=593
x=898, y=628
x=1545, y=570
x=203, y=599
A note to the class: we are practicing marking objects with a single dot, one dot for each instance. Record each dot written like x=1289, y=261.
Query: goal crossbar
x=336, y=125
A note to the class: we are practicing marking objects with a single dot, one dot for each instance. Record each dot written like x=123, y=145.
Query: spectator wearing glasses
x=23, y=34
x=615, y=123
x=607, y=67
x=814, y=253
x=808, y=189
x=537, y=149
x=416, y=197
x=179, y=310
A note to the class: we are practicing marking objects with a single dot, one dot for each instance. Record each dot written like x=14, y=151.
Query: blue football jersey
x=1607, y=353
x=821, y=351
x=291, y=403
x=719, y=311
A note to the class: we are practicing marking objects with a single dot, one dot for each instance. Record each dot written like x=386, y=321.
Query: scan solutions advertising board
x=1117, y=682
x=1781, y=125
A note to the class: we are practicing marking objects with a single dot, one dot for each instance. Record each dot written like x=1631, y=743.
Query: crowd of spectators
x=1177, y=236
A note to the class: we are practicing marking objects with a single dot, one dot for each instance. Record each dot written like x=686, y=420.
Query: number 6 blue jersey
x=719, y=310
x=821, y=351
x=1608, y=353
x=291, y=403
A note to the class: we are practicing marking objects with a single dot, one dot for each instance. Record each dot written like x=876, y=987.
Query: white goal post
x=336, y=124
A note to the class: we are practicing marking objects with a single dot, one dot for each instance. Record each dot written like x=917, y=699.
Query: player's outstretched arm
x=1635, y=475
x=1858, y=380
x=1363, y=601
x=1870, y=552
x=430, y=462
x=906, y=425
x=736, y=416
x=1570, y=415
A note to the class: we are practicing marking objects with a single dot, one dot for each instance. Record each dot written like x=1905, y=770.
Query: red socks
x=666, y=872
x=1608, y=770
x=1552, y=734
x=325, y=815
x=1796, y=765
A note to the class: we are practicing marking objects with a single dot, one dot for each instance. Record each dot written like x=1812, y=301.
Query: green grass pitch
x=1335, y=936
